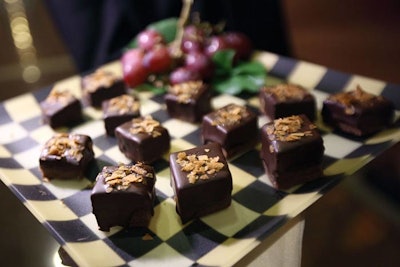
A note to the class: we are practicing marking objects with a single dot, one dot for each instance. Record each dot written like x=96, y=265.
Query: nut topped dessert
x=124, y=196
x=233, y=126
x=357, y=112
x=188, y=101
x=291, y=151
x=118, y=110
x=101, y=85
x=201, y=181
x=143, y=139
x=284, y=100
x=61, y=108
x=66, y=156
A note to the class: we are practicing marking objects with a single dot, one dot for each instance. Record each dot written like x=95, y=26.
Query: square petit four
x=233, y=126
x=143, y=139
x=61, y=108
x=188, y=101
x=101, y=85
x=124, y=196
x=357, y=112
x=118, y=110
x=284, y=100
x=201, y=181
x=66, y=156
x=292, y=151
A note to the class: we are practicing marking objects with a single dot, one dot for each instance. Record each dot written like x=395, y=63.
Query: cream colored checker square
x=23, y=107
x=292, y=204
x=347, y=166
x=50, y=210
x=11, y=132
x=93, y=253
x=42, y=134
x=232, y=247
x=254, y=101
x=338, y=147
x=164, y=182
x=19, y=177
x=148, y=106
x=116, y=155
x=367, y=84
x=4, y=153
x=240, y=179
x=65, y=188
x=230, y=220
x=267, y=59
x=165, y=222
x=90, y=221
x=29, y=158
x=179, y=145
x=319, y=98
x=307, y=74
x=262, y=120
x=178, y=128
x=94, y=113
x=163, y=255
x=114, y=67
x=72, y=84
x=224, y=99
x=92, y=129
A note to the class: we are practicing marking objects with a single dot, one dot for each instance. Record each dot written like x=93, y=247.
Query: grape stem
x=185, y=12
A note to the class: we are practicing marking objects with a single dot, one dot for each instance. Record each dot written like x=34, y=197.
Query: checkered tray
x=257, y=210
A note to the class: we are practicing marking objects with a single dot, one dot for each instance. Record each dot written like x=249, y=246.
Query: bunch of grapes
x=153, y=56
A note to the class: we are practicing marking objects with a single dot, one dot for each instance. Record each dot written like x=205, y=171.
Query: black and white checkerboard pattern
x=64, y=207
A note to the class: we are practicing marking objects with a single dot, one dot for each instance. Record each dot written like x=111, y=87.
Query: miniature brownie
x=143, y=139
x=357, y=112
x=118, y=110
x=61, y=108
x=284, y=100
x=66, y=156
x=201, y=181
x=233, y=126
x=188, y=101
x=124, y=196
x=101, y=85
x=291, y=150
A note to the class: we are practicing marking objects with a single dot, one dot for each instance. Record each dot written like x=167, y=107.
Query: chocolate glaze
x=357, y=113
x=194, y=200
x=275, y=106
x=191, y=110
x=66, y=166
x=142, y=147
x=130, y=207
x=113, y=117
x=289, y=163
x=234, y=138
x=61, y=113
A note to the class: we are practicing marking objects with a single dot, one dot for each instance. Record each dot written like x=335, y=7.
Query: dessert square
x=101, y=85
x=124, y=196
x=357, y=112
x=188, y=101
x=201, y=181
x=118, y=110
x=233, y=126
x=66, y=156
x=291, y=151
x=284, y=100
x=143, y=139
x=61, y=108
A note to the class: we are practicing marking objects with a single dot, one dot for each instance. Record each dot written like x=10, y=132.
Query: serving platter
x=257, y=209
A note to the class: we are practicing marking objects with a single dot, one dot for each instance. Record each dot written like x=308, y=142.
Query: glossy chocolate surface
x=60, y=109
x=235, y=132
x=66, y=156
x=284, y=100
x=99, y=86
x=205, y=196
x=119, y=110
x=129, y=205
x=188, y=101
x=291, y=158
x=357, y=112
x=142, y=146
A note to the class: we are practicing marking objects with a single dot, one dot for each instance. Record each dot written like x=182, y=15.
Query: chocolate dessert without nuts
x=291, y=151
x=124, y=196
x=201, y=181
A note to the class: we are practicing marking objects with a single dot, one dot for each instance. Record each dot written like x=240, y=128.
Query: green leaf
x=149, y=87
x=251, y=67
x=223, y=61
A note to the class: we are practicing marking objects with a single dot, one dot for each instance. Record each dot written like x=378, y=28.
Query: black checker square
x=73, y=231
x=373, y=149
x=258, y=196
x=80, y=202
x=391, y=91
x=4, y=116
x=21, y=145
x=194, y=137
x=261, y=227
x=283, y=67
x=333, y=81
x=42, y=94
x=160, y=115
x=250, y=162
x=9, y=163
x=104, y=142
x=32, y=123
x=35, y=192
x=196, y=240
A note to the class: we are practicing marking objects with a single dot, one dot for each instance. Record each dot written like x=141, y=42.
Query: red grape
x=158, y=59
x=148, y=38
x=134, y=72
x=183, y=74
x=240, y=43
x=214, y=44
x=199, y=62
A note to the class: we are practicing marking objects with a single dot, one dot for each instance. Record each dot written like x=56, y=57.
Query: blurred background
x=350, y=226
